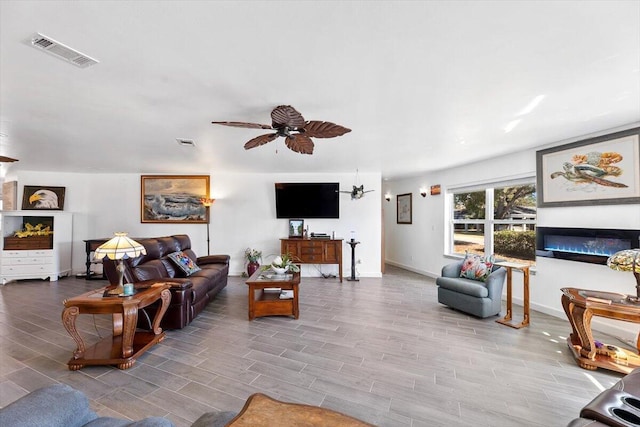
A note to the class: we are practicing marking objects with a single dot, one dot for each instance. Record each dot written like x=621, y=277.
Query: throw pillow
x=184, y=263
x=475, y=267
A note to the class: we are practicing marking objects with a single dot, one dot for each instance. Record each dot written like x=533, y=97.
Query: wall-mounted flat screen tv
x=307, y=200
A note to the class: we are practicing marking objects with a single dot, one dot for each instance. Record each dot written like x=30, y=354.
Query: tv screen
x=307, y=200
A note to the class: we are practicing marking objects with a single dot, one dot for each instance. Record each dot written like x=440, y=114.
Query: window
x=498, y=219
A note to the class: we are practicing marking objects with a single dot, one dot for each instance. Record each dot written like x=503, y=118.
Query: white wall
x=420, y=247
x=242, y=216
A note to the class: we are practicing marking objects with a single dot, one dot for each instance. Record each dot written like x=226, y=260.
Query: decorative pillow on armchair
x=475, y=267
x=184, y=263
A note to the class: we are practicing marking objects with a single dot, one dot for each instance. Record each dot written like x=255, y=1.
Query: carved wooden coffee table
x=126, y=344
x=264, y=302
x=581, y=305
x=262, y=411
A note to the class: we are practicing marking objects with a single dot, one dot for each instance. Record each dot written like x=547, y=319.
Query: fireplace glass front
x=584, y=244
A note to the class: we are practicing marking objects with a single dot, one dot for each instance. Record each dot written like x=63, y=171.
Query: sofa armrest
x=495, y=282
x=213, y=259
x=52, y=406
x=174, y=282
x=452, y=270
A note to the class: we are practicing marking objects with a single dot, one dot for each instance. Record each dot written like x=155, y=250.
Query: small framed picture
x=40, y=197
x=296, y=228
x=404, y=208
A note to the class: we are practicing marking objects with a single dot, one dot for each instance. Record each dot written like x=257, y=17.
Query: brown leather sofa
x=618, y=406
x=189, y=295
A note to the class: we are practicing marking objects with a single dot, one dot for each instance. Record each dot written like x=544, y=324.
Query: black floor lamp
x=207, y=205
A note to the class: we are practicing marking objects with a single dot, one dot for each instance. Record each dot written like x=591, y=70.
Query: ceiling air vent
x=61, y=51
x=186, y=142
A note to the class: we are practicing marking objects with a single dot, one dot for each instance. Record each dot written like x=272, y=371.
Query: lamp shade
x=120, y=247
x=627, y=260
x=207, y=202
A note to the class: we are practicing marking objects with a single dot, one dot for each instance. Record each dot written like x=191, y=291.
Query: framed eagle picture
x=40, y=197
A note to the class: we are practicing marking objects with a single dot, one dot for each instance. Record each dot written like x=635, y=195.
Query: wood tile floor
x=382, y=350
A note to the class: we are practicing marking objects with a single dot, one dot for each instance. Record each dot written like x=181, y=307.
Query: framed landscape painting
x=174, y=198
x=41, y=197
x=598, y=171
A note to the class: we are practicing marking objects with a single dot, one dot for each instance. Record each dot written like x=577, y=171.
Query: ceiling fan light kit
x=289, y=123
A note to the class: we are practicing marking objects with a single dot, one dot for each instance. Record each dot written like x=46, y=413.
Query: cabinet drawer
x=40, y=252
x=14, y=254
x=311, y=251
x=311, y=258
x=310, y=244
x=28, y=253
x=29, y=261
x=8, y=270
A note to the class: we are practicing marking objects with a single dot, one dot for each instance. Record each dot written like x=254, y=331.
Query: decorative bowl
x=279, y=270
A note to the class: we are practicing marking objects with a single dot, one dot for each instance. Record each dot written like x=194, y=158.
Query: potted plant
x=253, y=257
x=283, y=263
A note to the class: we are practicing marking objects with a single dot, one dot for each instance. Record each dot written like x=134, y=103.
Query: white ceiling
x=422, y=85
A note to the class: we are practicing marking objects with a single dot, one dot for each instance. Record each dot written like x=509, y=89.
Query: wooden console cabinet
x=314, y=251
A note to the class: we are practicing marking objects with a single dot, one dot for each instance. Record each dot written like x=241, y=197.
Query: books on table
x=286, y=294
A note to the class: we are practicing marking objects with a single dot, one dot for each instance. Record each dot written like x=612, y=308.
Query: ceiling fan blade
x=243, y=125
x=300, y=144
x=260, y=140
x=287, y=116
x=4, y=159
x=319, y=129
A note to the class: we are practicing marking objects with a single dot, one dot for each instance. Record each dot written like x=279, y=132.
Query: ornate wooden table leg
x=130, y=319
x=568, y=306
x=165, y=297
x=69, y=316
x=583, y=324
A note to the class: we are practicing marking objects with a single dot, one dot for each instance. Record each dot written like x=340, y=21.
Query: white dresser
x=36, y=263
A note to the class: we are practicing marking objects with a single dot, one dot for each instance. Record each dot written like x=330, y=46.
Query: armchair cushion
x=467, y=287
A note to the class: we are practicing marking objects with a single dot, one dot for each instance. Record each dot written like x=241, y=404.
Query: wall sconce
x=423, y=192
x=387, y=197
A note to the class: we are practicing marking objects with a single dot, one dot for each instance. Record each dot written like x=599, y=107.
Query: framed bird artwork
x=40, y=197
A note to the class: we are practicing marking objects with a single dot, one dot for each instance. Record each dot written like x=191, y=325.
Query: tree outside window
x=500, y=218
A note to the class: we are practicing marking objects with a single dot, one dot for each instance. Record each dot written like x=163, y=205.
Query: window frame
x=488, y=222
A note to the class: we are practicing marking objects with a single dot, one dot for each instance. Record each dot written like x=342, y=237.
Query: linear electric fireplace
x=592, y=245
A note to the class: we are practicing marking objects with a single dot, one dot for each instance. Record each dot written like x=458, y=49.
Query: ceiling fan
x=4, y=159
x=358, y=191
x=289, y=123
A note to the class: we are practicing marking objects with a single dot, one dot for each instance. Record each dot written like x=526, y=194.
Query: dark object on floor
x=618, y=406
x=189, y=294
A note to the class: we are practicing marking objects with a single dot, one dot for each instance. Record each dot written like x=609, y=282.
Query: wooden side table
x=269, y=303
x=262, y=411
x=580, y=305
x=90, y=246
x=125, y=345
x=508, y=319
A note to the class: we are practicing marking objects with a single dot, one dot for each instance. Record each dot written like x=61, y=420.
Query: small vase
x=252, y=267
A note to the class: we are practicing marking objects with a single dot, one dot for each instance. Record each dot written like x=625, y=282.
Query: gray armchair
x=481, y=299
x=59, y=405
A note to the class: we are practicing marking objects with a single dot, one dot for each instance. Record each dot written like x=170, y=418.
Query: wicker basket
x=26, y=243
